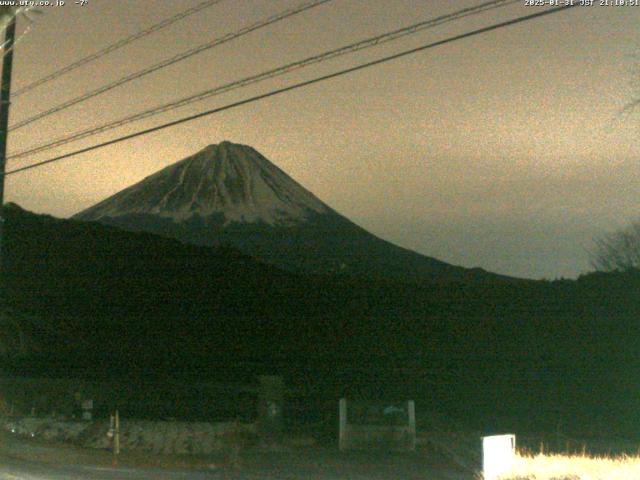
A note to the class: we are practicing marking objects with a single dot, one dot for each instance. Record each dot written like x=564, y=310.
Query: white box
x=498, y=455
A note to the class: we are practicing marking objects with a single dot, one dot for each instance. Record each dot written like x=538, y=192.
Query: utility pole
x=5, y=93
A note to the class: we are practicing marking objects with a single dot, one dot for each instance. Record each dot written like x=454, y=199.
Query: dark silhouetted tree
x=618, y=251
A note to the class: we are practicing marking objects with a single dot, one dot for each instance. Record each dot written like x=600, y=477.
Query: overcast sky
x=508, y=151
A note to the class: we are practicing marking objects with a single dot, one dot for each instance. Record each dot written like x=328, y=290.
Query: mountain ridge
x=230, y=194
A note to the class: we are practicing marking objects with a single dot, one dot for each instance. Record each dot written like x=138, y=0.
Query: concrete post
x=342, y=438
x=411, y=410
x=270, y=406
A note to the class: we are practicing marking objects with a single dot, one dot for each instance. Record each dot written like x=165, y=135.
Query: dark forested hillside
x=112, y=302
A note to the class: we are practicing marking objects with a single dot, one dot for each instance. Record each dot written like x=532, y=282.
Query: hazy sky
x=507, y=151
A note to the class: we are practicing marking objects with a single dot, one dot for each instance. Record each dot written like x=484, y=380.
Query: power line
x=119, y=44
x=170, y=61
x=351, y=48
x=296, y=86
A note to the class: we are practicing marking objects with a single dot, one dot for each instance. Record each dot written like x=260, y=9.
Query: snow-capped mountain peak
x=228, y=179
x=231, y=195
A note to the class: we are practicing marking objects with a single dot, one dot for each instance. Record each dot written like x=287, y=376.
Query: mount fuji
x=229, y=194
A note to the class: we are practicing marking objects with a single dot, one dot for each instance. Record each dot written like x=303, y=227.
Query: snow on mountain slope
x=233, y=180
x=231, y=195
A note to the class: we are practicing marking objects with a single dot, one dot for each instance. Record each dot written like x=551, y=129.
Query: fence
x=383, y=425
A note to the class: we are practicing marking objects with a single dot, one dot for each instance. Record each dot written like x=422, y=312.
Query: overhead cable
x=295, y=86
x=117, y=45
x=170, y=61
x=351, y=48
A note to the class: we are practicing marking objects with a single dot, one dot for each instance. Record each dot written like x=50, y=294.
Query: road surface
x=328, y=466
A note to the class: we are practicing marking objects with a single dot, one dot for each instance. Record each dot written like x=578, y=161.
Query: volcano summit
x=229, y=194
x=227, y=180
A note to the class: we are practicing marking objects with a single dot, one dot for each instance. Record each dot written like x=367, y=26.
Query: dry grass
x=574, y=467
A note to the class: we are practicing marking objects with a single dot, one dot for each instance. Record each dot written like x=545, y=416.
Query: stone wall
x=150, y=436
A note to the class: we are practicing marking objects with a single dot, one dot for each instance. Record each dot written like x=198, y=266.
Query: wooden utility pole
x=5, y=95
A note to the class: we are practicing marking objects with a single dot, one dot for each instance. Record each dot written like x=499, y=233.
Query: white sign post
x=498, y=455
